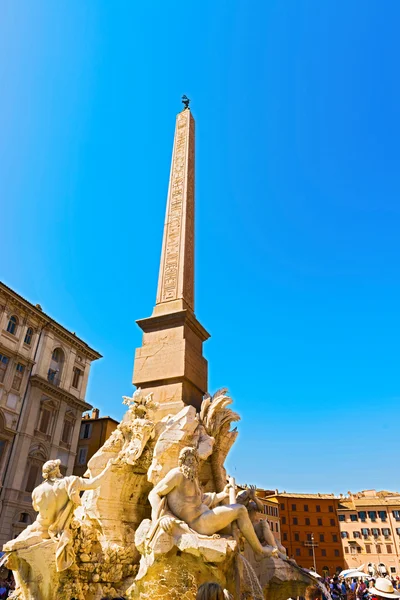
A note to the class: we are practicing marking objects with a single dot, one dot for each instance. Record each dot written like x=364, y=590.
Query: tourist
x=210, y=591
x=361, y=590
x=3, y=590
x=313, y=592
x=335, y=588
x=383, y=588
x=343, y=589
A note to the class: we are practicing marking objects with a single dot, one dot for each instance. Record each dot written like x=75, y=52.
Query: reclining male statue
x=178, y=497
x=55, y=500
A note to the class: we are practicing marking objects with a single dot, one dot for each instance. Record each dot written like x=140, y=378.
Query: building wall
x=41, y=403
x=94, y=431
x=370, y=530
x=303, y=516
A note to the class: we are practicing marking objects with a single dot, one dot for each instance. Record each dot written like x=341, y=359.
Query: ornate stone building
x=370, y=531
x=44, y=370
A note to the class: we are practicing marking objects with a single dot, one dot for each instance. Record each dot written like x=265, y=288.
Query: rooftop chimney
x=95, y=413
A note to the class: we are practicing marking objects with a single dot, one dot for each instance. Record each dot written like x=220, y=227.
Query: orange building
x=95, y=430
x=310, y=530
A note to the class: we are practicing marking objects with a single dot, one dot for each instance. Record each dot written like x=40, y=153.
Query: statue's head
x=51, y=469
x=189, y=462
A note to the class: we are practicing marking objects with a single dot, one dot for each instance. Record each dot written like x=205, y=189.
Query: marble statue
x=55, y=500
x=249, y=499
x=178, y=497
x=156, y=515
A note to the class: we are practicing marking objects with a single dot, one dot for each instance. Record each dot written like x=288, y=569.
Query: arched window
x=28, y=336
x=12, y=325
x=24, y=518
x=56, y=366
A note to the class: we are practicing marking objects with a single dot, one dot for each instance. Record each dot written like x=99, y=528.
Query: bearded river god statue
x=157, y=517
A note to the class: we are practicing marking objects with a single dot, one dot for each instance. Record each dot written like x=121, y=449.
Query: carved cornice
x=58, y=392
x=15, y=354
x=29, y=309
x=174, y=319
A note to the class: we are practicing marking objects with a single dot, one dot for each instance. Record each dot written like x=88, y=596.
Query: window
x=367, y=548
x=375, y=532
x=306, y=508
x=307, y=521
x=24, y=518
x=295, y=521
x=3, y=366
x=336, y=552
x=52, y=376
x=344, y=534
x=330, y=507
x=76, y=377
x=346, y=550
x=32, y=477
x=333, y=523
x=2, y=448
x=296, y=537
x=309, y=537
x=365, y=531
x=388, y=548
x=356, y=534
x=393, y=569
x=294, y=507
x=285, y=537
x=319, y=521
x=283, y=519
x=396, y=514
x=342, y=518
x=385, y=531
x=19, y=372
x=382, y=515
x=362, y=515
x=372, y=515
x=282, y=506
x=12, y=325
x=323, y=552
x=318, y=508
x=66, y=432
x=86, y=432
x=310, y=552
x=398, y=530
x=378, y=548
x=28, y=336
x=44, y=422
x=353, y=518
x=321, y=537
x=82, y=455
x=334, y=537
x=298, y=553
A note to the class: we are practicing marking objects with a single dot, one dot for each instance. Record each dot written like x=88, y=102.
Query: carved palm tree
x=217, y=418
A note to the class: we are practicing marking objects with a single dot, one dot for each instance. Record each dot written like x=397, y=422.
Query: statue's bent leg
x=214, y=520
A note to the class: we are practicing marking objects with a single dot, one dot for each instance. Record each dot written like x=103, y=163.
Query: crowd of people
x=356, y=588
x=6, y=587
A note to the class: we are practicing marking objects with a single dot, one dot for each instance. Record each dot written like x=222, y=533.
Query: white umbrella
x=344, y=573
x=356, y=575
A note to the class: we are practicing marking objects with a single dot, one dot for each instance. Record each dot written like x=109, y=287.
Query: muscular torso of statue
x=48, y=499
x=185, y=499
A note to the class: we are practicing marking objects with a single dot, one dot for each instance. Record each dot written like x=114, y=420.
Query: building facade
x=44, y=371
x=310, y=530
x=94, y=431
x=370, y=531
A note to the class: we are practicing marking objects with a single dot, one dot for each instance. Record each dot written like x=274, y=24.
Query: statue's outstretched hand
x=226, y=489
x=167, y=524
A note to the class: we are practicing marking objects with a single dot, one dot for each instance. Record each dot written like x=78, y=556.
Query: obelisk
x=170, y=362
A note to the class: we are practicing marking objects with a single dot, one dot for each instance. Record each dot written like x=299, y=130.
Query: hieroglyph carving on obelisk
x=176, y=278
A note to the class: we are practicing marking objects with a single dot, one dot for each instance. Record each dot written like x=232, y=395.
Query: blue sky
x=298, y=161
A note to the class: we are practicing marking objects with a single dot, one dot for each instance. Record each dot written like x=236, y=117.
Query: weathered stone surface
x=176, y=577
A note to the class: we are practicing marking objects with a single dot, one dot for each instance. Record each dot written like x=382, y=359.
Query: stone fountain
x=156, y=514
